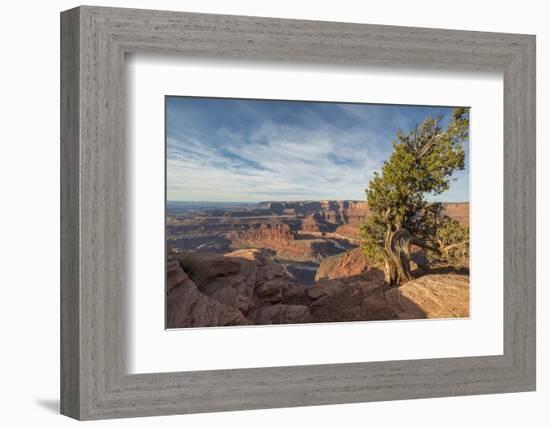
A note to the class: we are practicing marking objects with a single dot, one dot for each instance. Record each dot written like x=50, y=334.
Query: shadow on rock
x=246, y=287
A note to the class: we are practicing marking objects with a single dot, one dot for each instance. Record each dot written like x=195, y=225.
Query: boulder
x=186, y=306
x=431, y=296
x=175, y=276
x=325, y=289
x=281, y=313
x=295, y=291
x=271, y=290
x=242, y=279
x=205, y=267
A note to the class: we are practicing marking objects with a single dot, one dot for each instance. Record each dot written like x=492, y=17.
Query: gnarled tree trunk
x=397, y=255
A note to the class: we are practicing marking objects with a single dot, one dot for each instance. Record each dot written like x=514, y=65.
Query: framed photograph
x=262, y=213
x=266, y=223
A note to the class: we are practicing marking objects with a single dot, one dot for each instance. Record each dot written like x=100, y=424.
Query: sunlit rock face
x=347, y=264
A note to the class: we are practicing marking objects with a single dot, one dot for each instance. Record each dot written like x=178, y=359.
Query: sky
x=239, y=150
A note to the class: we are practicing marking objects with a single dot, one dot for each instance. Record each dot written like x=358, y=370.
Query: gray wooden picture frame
x=94, y=382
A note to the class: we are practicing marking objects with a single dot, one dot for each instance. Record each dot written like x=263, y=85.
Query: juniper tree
x=421, y=163
x=451, y=239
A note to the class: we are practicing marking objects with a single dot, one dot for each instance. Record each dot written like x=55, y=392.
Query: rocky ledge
x=248, y=287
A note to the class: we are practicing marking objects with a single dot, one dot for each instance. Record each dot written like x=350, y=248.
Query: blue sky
x=254, y=150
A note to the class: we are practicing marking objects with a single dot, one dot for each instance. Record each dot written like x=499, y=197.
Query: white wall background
x=29, y=224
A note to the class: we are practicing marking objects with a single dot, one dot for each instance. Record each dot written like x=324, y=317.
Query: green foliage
x=422, y=163
x=453, y=241
x=372, y=239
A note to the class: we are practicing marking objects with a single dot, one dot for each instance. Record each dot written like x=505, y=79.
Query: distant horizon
x=286, y=200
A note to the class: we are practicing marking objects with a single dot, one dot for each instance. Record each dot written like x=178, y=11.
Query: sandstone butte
x=297, y=231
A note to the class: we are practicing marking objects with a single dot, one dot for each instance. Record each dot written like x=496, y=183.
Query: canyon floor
x=293, y=262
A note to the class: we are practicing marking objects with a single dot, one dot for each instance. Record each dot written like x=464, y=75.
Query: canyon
x=291, y=262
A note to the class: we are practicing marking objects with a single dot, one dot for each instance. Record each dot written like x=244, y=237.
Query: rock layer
x=280, y=239
x=241, y=287
x=279, y=226
x=433, y=296
x=248, y=287
x=186, y=306
x=350, y=263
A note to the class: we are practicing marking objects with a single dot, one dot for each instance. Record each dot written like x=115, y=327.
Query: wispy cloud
x=249, y=150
